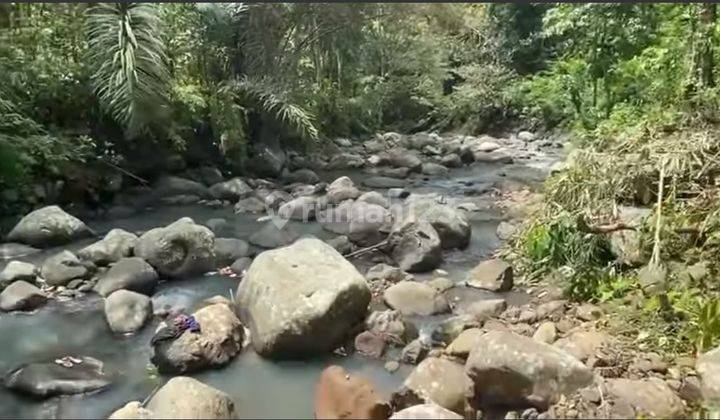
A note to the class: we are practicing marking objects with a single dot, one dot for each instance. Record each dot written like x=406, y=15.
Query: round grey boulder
x=127, y=311
x=131, y=274
x=47, y=227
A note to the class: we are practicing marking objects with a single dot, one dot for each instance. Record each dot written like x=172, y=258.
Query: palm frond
x=277, y=105
x=127, y=55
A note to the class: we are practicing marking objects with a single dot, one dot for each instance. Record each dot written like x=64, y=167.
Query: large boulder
x=495, y=275
x=425, y=411
x=47, y=379
x=47, y=227
x=132, y=273
x=301, y=299
x=415, y=298
x=342, y=189
x=17, y=270
x=219, y=340
x=368, y=224
x=59, y=269
x=115, y=245
x=340, y=395
x=415, y=245
x=170, y=186
x=434, y=169
x=233, y=190
x=345, y=161
x=187, y=398
x=21, y=296
x=401, y=158
x=268, y=162
x=228, y=250
x=274, y=234
x=180, y=249
x=126, y=311
x=439, y=381
x=452, y=225
x=132, y=411
x=708, y=367
x=514, y=371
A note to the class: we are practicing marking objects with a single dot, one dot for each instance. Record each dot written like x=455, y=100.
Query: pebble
x=392, y=366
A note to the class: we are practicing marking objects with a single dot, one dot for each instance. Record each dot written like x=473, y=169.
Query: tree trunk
x=704, y=61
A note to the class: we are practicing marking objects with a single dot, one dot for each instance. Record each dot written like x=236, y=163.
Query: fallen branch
x=607, y=228
x=362, y=251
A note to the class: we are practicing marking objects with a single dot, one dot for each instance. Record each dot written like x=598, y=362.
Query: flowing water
x=260, y=388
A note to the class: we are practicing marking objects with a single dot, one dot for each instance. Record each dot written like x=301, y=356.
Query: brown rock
x=340, y=395
x=647, y=397
x=370, y=344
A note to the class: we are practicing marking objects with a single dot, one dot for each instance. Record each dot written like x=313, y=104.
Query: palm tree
x=129, y=65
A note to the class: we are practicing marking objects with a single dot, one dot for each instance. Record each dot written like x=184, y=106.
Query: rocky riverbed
x=360, y=282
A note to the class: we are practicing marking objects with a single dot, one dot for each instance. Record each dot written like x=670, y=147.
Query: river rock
x=401, y=158
x=368, y=223
x=582, y=344
x=387, y=272
x=437, y=380
x=21, y=296
x=267, y=162
x=526, y=136
x=132, y=273
x=510, y=370
x=451, y=160
x=341, y=395
x=451, y=225
x=47, y=227
x=434, y=169
x=345, y=161
x=169, y=186
x=272, y=236
x=250, y=205
x=342, y=189
x=545, y=333
x=391, y=326
x=626, y=244
x=131, y=411
x=219, y=341
x=341, y=244
x=414, y=352
x=59, y=269
x=227, y=250
x=708, y=367
x=647, y=397
x=17, y=270
x=304, y=176
x=47, y=379
x=115, y=245
x=486, y=308
x=449, y=329
x=425, y=411
x=414, y=298
x=126, y=311
x=187, y=398
x=369, y=344
x=302, y=208
x=233, y=190
x=180, y=249
x=495, y=275
x=301, y=299
x=464, y=343
x=374, y=197
x=383, y=182
x=241, y=265
x=209, y=175
x=415, y=245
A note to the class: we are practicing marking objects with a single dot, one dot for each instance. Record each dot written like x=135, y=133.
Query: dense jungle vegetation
x=634, y=84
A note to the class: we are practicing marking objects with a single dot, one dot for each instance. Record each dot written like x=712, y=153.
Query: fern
x=269, y=101
x=130, y=71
